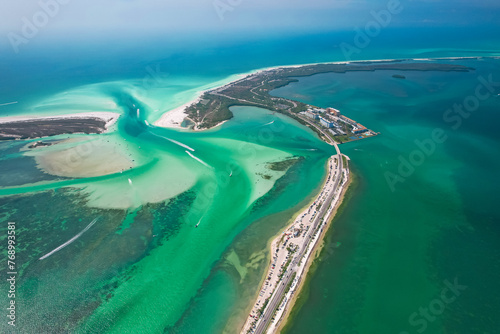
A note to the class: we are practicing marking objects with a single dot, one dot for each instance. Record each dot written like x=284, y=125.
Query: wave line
x=175, y=142
x=198, y=159
x=69, y=241
x=9, y=103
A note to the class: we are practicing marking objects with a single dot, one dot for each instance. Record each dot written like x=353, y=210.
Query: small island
x=39, y=144
x=12, y=128
x=398, y=76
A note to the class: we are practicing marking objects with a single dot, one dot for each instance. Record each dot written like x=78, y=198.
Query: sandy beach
x=80, y=158
x=286, y=268
x=174, y=118
x=315, y=253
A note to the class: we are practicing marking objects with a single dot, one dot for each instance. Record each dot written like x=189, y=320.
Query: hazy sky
x=117, y=16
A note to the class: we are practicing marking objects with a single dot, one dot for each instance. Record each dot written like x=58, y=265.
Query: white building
x=327, y=123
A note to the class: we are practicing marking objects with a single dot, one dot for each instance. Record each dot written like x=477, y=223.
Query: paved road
x=280, y=291
x=327, y=135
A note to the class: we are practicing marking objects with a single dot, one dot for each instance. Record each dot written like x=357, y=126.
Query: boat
x=198, y=222
x=231, y=174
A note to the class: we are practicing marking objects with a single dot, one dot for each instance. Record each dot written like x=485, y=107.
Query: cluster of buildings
x=331, y=118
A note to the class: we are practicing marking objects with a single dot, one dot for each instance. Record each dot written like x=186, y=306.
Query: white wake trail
x=198, y=159
x=9, y=103
x=69, y=241
x=176, y=142
x=181, y=144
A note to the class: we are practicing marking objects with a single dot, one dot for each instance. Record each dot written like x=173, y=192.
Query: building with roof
x=333, y=111
x=359, y=130
x=326, y=123
x=311, y=114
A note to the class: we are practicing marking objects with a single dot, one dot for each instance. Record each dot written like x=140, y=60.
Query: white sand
x=254, y=160
x=166, y=179
x=82, y=158
x=279, y=258
x=174, y=118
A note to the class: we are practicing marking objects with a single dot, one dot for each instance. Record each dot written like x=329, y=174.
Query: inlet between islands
x=308, y=228
x=292, y=250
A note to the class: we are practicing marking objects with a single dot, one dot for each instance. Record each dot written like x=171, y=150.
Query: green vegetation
x=303, y=122
x=289, y=285
x=291, y=250
x=285, y=267
x=261, y=310
x=281, y=166
x=210, y=111
x=287, y=288
x=254, y=90
x=341, y=139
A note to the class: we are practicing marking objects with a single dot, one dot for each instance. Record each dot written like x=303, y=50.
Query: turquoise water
x=401, y=244
x=144, y=266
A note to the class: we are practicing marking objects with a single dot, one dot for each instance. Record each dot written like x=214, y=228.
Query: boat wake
x=198, y=159
x=69, y=241
x=181, y=144
x=9, y=103
x=175, y=142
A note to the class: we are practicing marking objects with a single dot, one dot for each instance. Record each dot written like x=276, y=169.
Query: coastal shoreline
x=270, y=246
x=308, y=243
x=174, y=118
x=281, y=312
x=109, y=117
x=31, y=127
x=315, y=253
